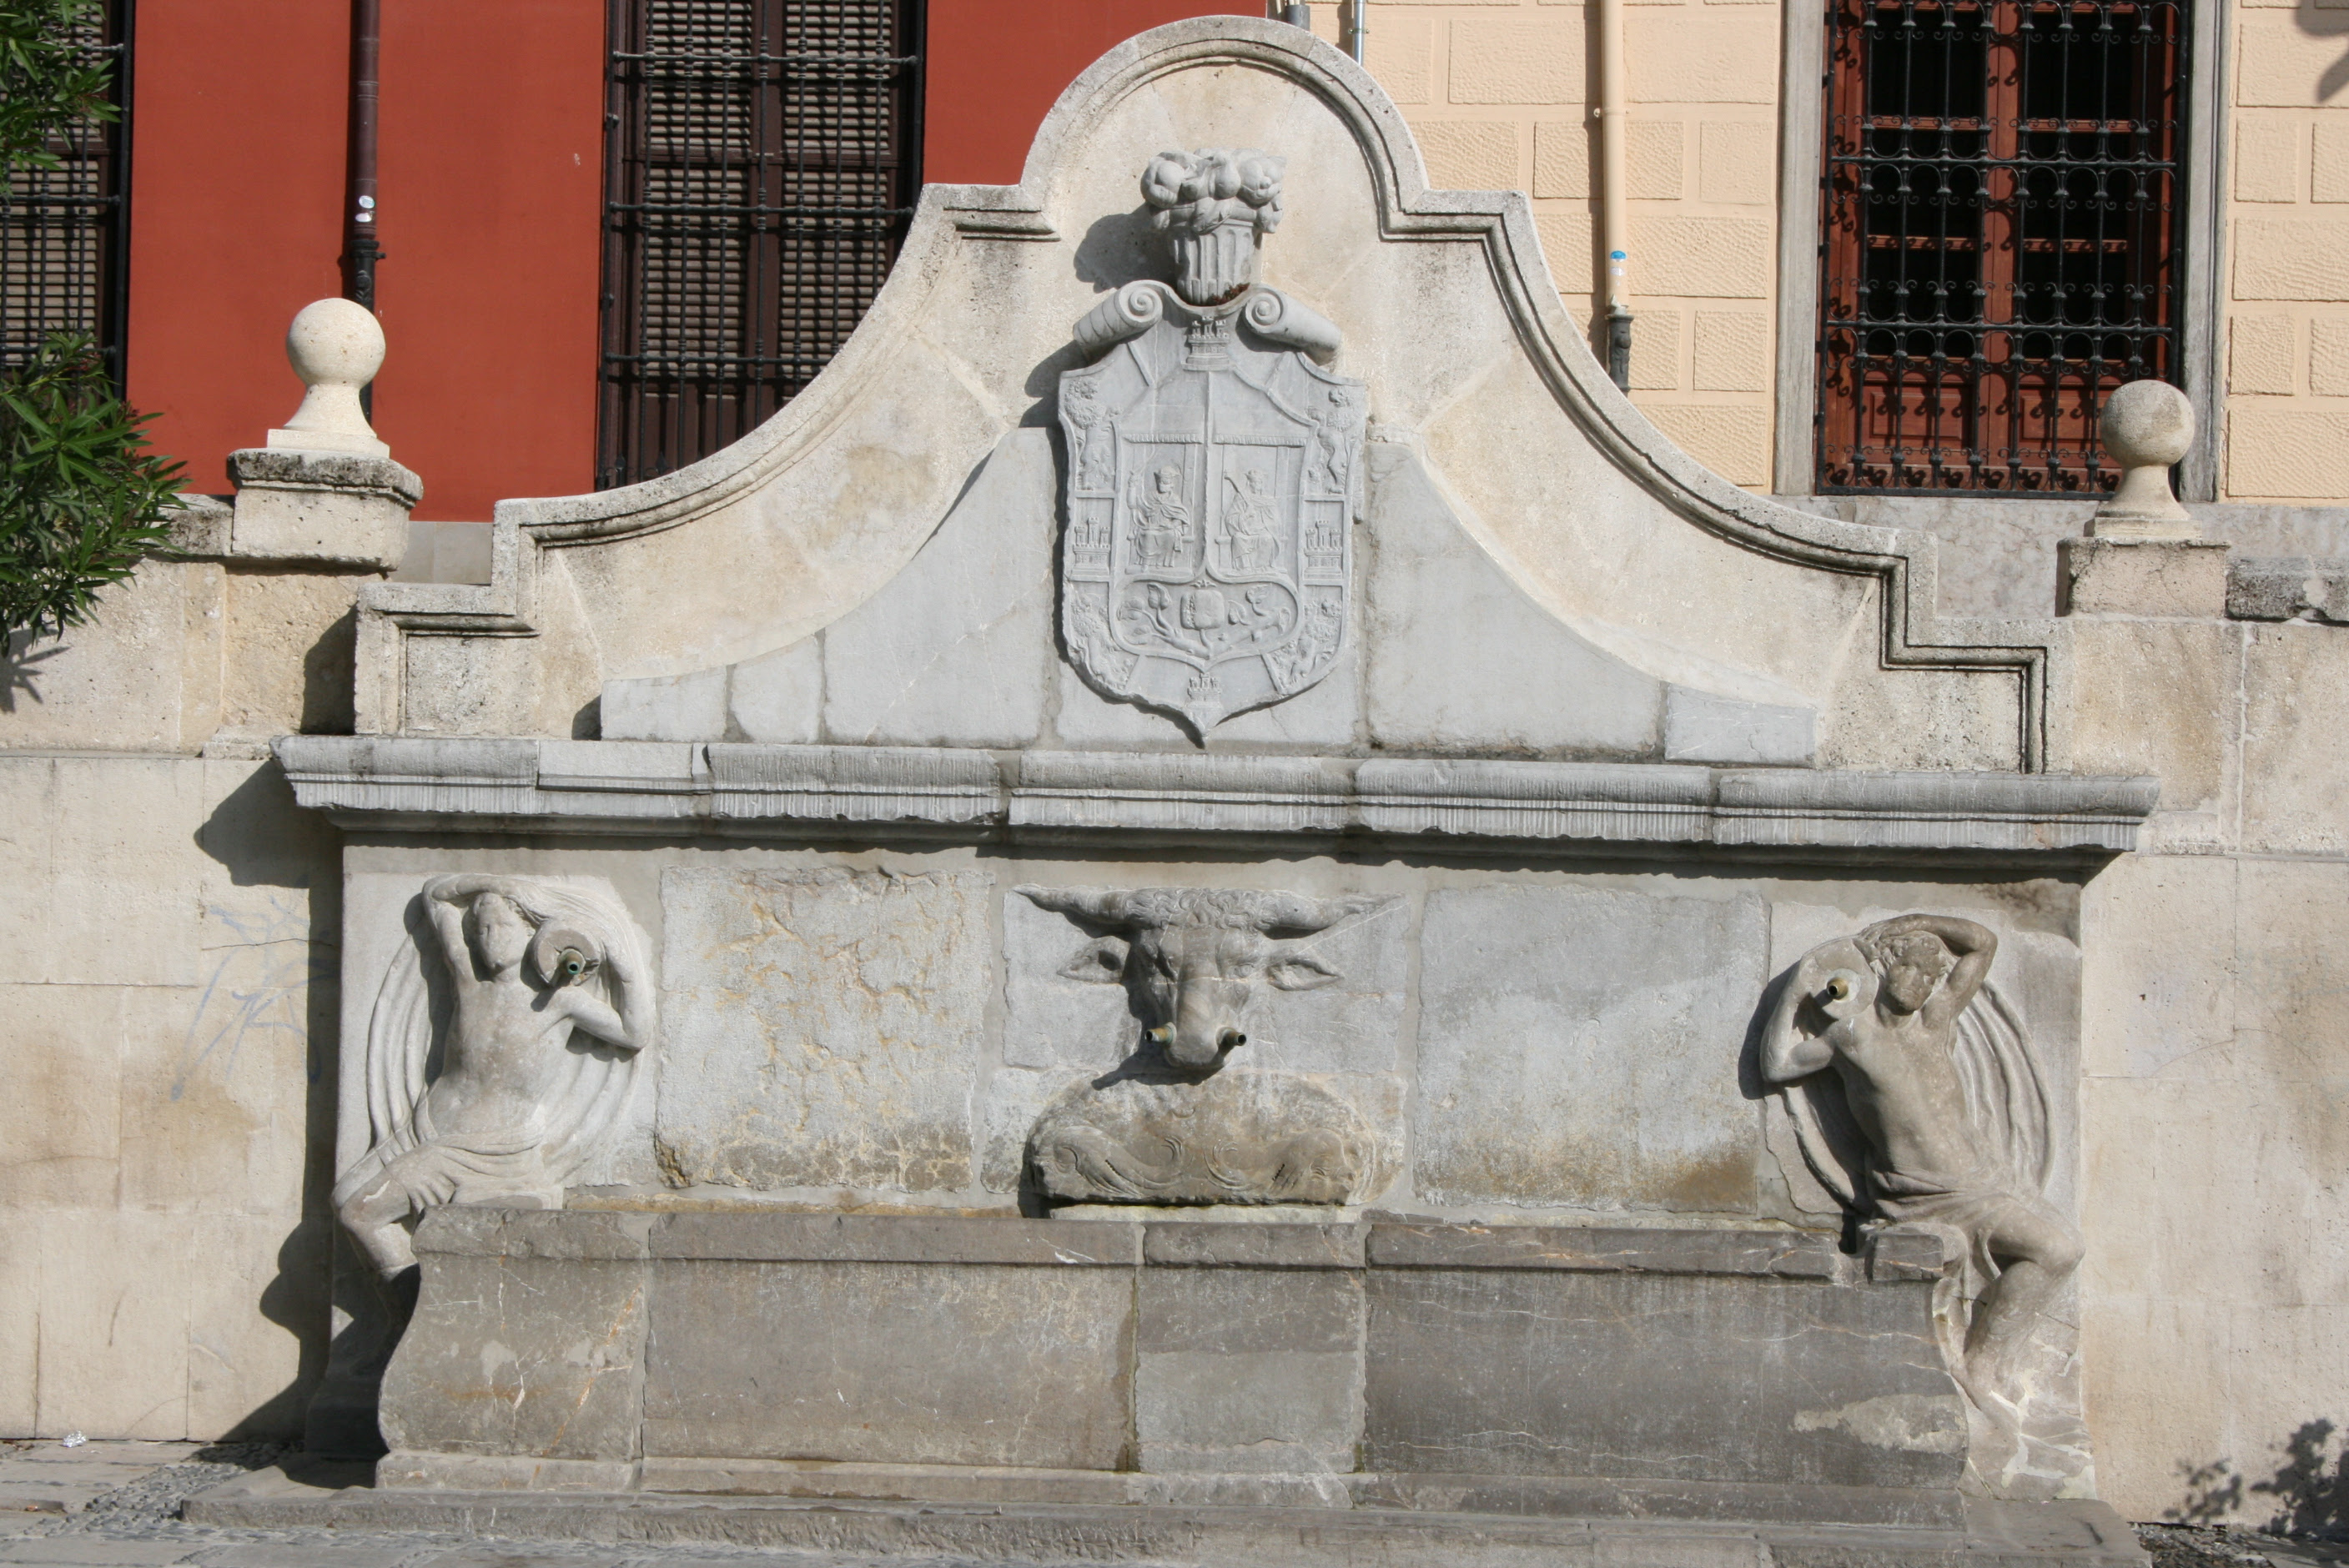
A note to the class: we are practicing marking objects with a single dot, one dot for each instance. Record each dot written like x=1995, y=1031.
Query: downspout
x=362, y=250
x=1614, y=225
x=1354, y=27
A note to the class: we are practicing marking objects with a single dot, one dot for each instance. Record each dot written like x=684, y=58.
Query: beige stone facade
x=1498, y=94
x=1498, y=90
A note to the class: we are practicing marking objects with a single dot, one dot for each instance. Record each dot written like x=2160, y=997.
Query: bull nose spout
x=1200, y=1049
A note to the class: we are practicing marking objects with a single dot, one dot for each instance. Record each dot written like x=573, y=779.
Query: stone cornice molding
x=1562, y=808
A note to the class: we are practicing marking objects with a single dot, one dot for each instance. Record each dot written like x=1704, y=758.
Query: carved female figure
x=517, y=1105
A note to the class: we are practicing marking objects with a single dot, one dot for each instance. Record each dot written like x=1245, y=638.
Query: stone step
x=1995, y=1535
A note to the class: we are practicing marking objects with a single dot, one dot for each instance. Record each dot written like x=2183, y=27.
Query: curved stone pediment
x=1536, y=570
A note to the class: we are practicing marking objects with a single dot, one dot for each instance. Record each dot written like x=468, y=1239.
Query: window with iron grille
x=62, y=235
x=763, y=162
x=2003, y=213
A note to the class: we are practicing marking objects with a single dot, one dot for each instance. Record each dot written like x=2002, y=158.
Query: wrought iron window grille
x=2003, y=211
x=63, y=243
x=762, y=164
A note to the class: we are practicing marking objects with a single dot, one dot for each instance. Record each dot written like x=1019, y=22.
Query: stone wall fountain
x=1551, y=984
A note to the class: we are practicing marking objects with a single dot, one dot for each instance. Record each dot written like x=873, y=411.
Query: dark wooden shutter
x=2003, y=211
x=762, y=162
x=62, y=233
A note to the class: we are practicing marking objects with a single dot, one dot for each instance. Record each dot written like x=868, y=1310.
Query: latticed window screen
x=762, y=163
x=61, y=230
x=2002, y=212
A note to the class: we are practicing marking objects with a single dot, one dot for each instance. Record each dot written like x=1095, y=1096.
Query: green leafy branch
x=49, y=78
x=81, y=498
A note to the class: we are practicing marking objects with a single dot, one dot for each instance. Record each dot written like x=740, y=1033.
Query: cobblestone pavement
x=2198, y=1546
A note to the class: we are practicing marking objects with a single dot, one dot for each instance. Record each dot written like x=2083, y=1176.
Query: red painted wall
x=491, y=176
x=236, y=196
x=491, y=185
x=996, y=65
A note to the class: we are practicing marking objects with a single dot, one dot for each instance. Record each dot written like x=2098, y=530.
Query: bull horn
x=1103, y=906
x=1293, y=914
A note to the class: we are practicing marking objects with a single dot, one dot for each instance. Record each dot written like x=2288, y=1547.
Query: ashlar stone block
x=2328, y=356
x=1469, y=154
x=893, y=1364
x=1508, y=60
x=1248, y=1370
x=2260, y=354
x=1579, y=1047
x=1737, y=161
x=822, y=1028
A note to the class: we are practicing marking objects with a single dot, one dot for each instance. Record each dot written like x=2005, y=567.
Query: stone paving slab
x=640, y=1525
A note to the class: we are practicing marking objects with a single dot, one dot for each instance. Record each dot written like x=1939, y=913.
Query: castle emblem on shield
x=1214, y=465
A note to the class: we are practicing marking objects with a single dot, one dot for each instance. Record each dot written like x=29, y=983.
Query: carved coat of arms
x=1214, y=465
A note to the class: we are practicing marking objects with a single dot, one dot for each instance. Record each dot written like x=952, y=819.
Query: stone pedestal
x=339, y=507
x=2168, y=578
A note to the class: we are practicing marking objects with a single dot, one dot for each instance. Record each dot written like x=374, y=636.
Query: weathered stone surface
x=756, y=1237
x=2126, y=576
x=1272, y=1246
x=954, y=652
x=1630, y=1376
x=980, y=1364
x=1524, y=682
x=1240, y=1135
x=1607, y=1250
x=822, y=1027
x=1631, y=1098
x=521, y=1347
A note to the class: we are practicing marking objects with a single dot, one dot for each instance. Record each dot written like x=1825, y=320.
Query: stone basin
x=1693, y=1373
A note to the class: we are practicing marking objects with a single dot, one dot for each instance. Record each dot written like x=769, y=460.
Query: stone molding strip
x=767, y=1236
x=400, y=782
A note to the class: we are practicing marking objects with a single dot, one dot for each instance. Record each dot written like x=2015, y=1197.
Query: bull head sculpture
x=1192, y=958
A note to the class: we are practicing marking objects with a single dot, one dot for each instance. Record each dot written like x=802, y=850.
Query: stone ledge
x=2289, y=588
x=395, y=782
x=751, y=1237
x=1614, y=1250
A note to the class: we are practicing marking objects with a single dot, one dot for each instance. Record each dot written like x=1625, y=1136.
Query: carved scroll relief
x=1179, y=1124
x=1214, y=467
x=504, y=1044
x=1918, y=1102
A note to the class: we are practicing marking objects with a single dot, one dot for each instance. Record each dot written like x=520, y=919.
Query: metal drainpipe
x=1354, y=26
x=1297, y=16
x=364, y=250
x=1614, y=225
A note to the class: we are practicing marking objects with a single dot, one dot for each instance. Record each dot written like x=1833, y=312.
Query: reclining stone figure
x=520, y=1100
x=1180, y=1128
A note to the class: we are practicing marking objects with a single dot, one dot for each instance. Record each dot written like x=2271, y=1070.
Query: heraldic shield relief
x=1212, y=467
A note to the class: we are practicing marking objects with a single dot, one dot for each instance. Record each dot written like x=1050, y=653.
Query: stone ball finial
x=2148, y=425
x=336, y=346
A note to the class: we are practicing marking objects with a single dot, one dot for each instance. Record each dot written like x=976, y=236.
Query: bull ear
x=1100, y=961
x=1300, y=972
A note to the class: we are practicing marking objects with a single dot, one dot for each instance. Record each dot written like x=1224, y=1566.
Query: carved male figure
x=1250, y=543
x=1162, y=521
x=1883, y=1009
x=523, y=960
